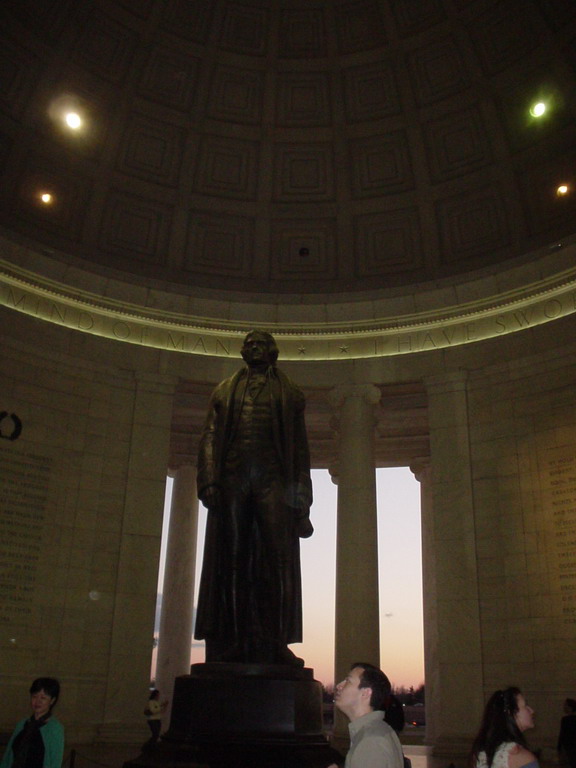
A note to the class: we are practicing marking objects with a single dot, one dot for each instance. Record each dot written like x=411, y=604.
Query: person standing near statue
x=567, y=737
x=254, y=479
x=153, y=712
x=362, y=696
x=38, y=740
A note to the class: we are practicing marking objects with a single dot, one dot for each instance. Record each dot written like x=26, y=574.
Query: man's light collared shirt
x=373, y=743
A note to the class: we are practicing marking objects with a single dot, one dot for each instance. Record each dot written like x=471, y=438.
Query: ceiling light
x=538, y=109
x=46, y=198
x=73, y=120
x=562, y=190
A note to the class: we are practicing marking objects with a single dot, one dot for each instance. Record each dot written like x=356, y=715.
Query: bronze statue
x=254, y=478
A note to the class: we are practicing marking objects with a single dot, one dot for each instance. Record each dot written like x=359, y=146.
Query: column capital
x=368, y=392
x=334, y=470
x=420, y=468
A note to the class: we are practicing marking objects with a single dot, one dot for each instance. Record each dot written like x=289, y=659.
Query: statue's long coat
x=292, y=448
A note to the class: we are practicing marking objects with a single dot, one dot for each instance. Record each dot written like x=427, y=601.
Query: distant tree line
x=408, y=696
x=411, y=696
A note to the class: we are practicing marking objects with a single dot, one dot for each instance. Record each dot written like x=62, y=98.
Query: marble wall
x=523, y=451
x=82, y=492
x=82, y=497
x=499, y=521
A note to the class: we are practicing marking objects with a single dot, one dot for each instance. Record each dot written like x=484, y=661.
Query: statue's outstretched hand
x=304, y=528
x=211, y=497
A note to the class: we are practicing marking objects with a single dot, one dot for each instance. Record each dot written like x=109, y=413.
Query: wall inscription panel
x=24, y=493
x=558, y=483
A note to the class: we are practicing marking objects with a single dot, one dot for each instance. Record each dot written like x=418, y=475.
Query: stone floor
x=420, y=757
x=115, y=755
x=103, y=755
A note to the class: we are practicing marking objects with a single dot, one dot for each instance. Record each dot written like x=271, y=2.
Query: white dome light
x=73, y=120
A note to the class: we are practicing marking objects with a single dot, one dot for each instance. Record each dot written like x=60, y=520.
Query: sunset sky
x=401, y=639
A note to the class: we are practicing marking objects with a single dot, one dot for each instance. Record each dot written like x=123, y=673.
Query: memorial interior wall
x=523, y=449
x=82, y=489
x=81, y=493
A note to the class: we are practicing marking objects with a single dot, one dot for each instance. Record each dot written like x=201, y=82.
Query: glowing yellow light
x=563, y=189
x=46, y=198
x=73, y=120
x=537, y=110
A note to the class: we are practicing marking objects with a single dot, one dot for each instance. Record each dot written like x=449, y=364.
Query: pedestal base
x=243, y=716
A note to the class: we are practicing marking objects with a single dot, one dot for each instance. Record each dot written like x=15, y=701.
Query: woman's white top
x=500, y=756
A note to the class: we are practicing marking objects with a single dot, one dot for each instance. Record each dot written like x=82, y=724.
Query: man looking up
x=361, y=697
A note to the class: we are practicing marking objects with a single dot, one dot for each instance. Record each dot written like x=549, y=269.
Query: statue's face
x=255, y=350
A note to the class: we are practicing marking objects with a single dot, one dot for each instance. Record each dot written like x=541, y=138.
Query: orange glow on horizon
x=401, y=625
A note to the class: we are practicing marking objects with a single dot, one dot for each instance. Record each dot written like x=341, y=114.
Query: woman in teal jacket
x=37, y=741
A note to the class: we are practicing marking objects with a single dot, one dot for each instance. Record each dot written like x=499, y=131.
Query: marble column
x=453, y=615
x=175, y=635
x=128, y=673
x=422, y=473
x=357, y=609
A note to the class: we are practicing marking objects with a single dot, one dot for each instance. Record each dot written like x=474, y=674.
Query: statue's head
x=259, y=347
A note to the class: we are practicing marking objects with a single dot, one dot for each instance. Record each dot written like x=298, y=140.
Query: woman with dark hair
x=37, y=741
x=500, y=743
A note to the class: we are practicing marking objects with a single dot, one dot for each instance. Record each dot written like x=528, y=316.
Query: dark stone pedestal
x=243, y=716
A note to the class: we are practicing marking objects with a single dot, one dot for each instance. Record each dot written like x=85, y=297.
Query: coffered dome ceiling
x=288, y=147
